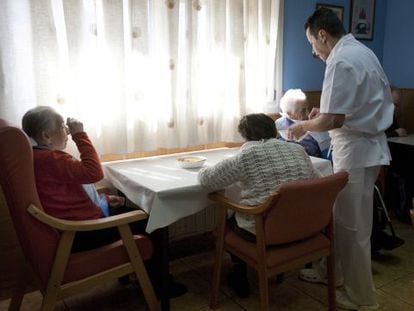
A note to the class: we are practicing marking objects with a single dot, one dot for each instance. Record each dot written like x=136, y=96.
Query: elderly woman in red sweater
x=65, y=184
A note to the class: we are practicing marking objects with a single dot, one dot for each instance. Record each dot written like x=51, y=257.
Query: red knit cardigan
x=59, y=179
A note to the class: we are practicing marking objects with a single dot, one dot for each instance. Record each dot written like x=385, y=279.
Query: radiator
x=203, y=221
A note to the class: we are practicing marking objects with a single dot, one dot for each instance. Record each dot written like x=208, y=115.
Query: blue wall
x=300, y=69
x=399, y=44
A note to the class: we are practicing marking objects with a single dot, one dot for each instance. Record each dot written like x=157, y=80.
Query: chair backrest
x=301, y=209
x=38, y=241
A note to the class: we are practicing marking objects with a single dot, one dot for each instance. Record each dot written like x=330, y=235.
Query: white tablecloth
x=167, y=192
x=408, y=140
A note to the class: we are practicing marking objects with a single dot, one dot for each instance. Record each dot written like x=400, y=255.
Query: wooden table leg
x=160, y=240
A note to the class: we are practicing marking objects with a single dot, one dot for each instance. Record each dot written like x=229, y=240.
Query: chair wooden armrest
x=86, y=225
x=287, y=231
x=240, y=208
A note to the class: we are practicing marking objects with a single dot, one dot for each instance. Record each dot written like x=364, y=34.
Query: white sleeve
x=340, y=86
x=221, y=175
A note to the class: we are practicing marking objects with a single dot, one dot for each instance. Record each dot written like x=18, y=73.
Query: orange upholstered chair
x=293, y=227
x=46, y=241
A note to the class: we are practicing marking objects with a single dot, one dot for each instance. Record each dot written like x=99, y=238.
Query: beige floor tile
x=283, y=297
x=402, y=288
x=108, y=296
x=198, y=294
x=226, y=305
x=179, y=266
x=318, y=292
x=393, y=275
x=389, y=302
x=203, y=260
x=4, y=304
x=31, y=301
x=384, y=275
x=201, y=269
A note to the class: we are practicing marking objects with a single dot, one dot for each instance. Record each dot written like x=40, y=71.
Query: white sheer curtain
x=142, y=74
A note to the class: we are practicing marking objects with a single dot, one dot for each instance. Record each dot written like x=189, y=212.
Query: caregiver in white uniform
x=356, y=107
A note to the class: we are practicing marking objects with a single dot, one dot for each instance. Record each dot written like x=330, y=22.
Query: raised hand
x=74, y=125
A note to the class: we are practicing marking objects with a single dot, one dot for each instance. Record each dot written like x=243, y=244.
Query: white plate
x=191, y=161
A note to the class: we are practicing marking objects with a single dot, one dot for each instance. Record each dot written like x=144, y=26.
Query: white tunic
x=355, y=85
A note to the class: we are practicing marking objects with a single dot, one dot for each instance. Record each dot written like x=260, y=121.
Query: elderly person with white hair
x=294, y=108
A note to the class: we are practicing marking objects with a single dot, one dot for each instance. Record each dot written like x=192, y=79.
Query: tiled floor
x=393, y=275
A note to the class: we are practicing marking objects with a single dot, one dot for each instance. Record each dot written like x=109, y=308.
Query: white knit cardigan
x=259, y=168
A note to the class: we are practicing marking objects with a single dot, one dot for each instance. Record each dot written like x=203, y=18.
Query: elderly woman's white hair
x=289, y=100
x=40, y=119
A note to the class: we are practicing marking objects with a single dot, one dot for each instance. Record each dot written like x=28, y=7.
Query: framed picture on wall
x=339, y=10
x=362, y=19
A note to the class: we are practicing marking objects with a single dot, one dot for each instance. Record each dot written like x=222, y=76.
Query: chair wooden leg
x=49, y=301
x=54, y=283
x=139, y=268
x=216, y=274
x=16, y=300
x=263, y=288
x=146, y=285
x=18, y=292
x=221, y=217
x=261, y=264
x=331, y=283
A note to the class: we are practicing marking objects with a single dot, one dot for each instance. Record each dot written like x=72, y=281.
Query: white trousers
x=353, y=224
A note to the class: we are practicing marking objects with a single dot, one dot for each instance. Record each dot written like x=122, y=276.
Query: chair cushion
x=277, y=255
x=84, y=264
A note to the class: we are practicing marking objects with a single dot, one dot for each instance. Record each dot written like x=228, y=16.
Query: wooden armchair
x=293, y=227
x=46, y=241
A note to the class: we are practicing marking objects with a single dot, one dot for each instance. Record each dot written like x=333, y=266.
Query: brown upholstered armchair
x=46, y=241
x=293, y=227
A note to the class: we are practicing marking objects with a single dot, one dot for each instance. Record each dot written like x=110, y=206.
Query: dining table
x=399, y=179
x=402, y=153
x=167, y=192
x=404, y=140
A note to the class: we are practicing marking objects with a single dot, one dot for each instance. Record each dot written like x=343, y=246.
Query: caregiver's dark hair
x=326, y=19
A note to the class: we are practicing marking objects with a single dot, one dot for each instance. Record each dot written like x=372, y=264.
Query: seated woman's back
x=263, y=163
x=267, y=164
